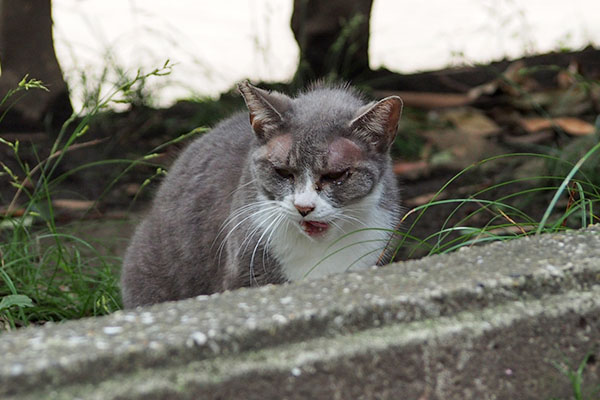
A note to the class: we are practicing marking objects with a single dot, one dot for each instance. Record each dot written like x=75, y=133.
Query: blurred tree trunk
x=333, y=37
x=27, y=47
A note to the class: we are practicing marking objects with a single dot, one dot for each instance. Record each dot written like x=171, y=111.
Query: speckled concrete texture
x=488, y=322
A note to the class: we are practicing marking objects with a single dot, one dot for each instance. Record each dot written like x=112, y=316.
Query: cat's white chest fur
x=351, y=245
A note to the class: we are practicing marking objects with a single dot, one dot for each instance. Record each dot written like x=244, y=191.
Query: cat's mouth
x=314, y=228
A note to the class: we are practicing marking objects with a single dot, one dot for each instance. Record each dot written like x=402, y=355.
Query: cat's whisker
x=232, y=230
x=235, y=214
x=349, y=218
x=259, y=205
x=257, y=228
x=338, y=227
x=276, y=219
x=261, y=211
x=249, y=236
x=241, y=187
x=251, y=211
x=246, y=242
x=361, y=208
x=268, y=241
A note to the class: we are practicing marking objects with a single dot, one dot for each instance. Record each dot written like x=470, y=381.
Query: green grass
x=576, y=378
x=570, y=201
x=46, y=273
x=565, y=194
x=46, y=278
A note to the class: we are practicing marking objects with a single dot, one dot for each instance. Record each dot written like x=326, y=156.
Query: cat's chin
x=314, y=229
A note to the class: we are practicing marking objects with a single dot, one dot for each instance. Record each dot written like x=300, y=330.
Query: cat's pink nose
x=304, y=210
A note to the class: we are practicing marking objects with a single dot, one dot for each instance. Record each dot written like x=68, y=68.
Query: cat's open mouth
x=314, y=228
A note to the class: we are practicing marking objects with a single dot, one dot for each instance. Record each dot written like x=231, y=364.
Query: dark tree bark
x=27, y=47
x=333, y=37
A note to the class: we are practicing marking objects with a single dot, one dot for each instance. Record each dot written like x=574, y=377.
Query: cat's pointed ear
x=377, y=123
x=266, y=109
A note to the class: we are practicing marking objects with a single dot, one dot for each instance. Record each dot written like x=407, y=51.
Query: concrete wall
x=483, y=323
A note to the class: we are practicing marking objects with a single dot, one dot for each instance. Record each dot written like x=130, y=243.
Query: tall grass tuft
x=569, y=201
x=47, y=274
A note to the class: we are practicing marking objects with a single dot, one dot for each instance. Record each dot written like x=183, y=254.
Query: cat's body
x=291, y=194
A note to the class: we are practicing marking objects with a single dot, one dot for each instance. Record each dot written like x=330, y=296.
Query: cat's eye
x=337, y=177
x=285, y=173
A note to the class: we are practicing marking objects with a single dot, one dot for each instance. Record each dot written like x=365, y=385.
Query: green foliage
x=25, y=84
x=125, y=87
x=17, y=300
x=575, y=376
x=409, y=142
x=568, y=185
x=47, y=277
x=47, y=274
x=505, y=216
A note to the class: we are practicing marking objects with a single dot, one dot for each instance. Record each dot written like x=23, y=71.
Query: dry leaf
x=513, y=229
x=515, y=82
x=411, y=169
x=70, y=204
x=486, y=89
x=571, y=125
x=566, y=78
x=512, y=83
x=428, y=100
x=456, y=149
x=575, y=101
x=15, y=212
x=530, y=138
x=131, y=189
x=423, y=199
x=575, y=126
x=471, y=121
x=34, y=137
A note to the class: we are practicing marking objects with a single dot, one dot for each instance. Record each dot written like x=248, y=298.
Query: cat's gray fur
x=229, y=213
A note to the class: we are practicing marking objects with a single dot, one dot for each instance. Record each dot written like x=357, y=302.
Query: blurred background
x=83, y=48
x=215, y=44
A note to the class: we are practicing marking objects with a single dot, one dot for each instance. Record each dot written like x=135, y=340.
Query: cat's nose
x=304, y=210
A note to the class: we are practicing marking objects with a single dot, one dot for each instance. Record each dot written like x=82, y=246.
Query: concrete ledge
x=486, y=322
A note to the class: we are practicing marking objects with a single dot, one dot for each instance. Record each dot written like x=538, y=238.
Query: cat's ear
x=377, y=123
x=266, y=109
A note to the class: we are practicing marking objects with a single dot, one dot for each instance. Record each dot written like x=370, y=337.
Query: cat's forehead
x=343, y=152
x=327, y=102
x=279, y=147
x=335, y=153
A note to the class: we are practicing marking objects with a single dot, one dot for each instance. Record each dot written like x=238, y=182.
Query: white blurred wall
x=217, y=43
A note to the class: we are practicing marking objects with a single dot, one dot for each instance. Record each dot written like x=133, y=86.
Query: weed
x=569, y=187
x=575, y=377
x=502, y=216
x=45, y=273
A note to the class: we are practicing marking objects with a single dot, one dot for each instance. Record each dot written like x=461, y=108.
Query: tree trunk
x=333, y=37
x=27, y=47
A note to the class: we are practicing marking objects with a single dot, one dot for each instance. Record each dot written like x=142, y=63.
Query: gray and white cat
x=304, y=188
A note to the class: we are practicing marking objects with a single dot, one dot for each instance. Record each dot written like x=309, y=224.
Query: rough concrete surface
x=489, y=322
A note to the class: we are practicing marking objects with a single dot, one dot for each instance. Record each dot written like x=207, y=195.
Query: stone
x=484, y=323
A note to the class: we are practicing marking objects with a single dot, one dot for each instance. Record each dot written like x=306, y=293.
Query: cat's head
x=321, y=153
